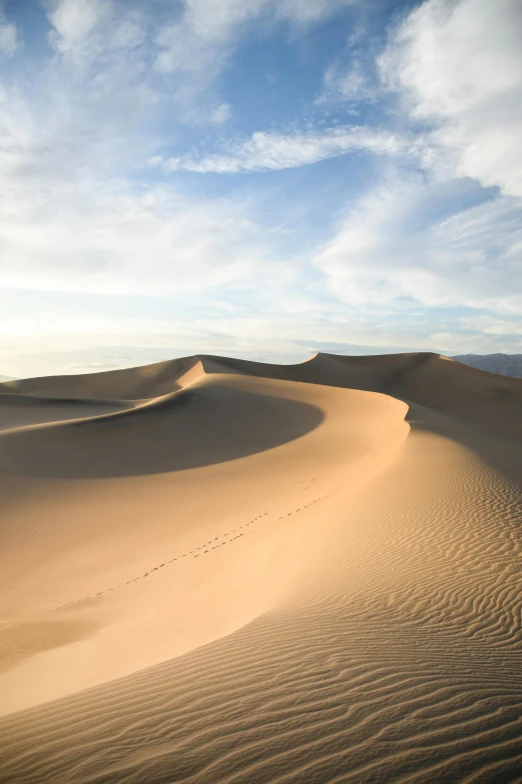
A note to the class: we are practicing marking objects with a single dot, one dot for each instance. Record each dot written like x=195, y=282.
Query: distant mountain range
x=503, y=364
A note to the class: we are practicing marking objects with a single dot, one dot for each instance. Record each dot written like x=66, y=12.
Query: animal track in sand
x=400, y=664
x=210, y=545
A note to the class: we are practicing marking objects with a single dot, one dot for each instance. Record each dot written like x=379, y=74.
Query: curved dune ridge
x=217, y=570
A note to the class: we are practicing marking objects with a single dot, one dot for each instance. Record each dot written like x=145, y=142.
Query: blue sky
x=259, y=178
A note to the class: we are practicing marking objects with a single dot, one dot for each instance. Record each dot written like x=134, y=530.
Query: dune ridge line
x=362, y=623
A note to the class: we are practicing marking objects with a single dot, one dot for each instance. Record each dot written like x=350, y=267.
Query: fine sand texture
x=221, y=571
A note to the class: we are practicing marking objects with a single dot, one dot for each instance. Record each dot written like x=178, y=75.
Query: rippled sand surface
x=221, y=571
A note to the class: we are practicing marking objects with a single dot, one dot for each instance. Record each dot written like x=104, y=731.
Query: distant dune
x=216, y=570
x=503, y=364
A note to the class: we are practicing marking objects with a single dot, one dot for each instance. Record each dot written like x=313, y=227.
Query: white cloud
x=155, y=161
x=80, y=214
x=87, y=236
x=494, y=325
x=458, y=64
x=77, y=215
x=395, y=251
x=51, y=342
x=8, y=38
x=305, y=11
x=188, y=44
x=75, y=20
x=204, y=36
x=268, y=150
x=221, y=114
x=95, y=33
x=89, y=108
x=345, y=84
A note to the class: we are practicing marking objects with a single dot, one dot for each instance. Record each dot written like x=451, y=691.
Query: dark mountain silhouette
x=502, y=364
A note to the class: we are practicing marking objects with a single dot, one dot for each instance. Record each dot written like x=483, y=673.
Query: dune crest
x=262, y=573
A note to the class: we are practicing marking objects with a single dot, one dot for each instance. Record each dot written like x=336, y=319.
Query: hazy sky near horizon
x=260, y=178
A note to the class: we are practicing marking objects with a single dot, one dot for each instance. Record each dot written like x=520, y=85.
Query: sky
x=257, y=178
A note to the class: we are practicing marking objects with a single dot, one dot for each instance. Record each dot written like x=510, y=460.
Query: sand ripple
x=398, y=658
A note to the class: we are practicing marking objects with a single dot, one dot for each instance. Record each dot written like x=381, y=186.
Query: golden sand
x=215, y=570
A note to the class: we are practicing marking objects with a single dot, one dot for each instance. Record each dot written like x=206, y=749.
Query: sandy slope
x=295, y=586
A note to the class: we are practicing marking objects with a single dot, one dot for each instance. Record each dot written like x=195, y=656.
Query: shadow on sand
x=189, y=429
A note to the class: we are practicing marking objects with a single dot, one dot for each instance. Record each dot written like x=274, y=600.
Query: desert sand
x=215, y=570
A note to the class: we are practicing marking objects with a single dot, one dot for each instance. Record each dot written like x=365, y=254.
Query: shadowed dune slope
x=209, y=422
x=20, y=410
x=128, y=384
x=105, y=517
x=428, y=379
x=235, y=577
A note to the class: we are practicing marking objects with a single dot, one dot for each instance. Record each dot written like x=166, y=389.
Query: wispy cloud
x=207, y=31
x=90, y=237
x=346, y=84
x=399, y=246
x=269, y=150
x=8, y=37
x=83, y=30
x=458, y=67
x=396, y=250
x=194, y=48
x=78, y=215
x=75, y=20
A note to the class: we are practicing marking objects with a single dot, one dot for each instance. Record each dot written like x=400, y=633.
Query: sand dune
x=216, y=570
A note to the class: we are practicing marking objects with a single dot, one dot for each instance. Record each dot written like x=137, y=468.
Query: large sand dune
x=216, y=570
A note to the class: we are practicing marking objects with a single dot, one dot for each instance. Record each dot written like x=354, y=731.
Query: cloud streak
x=395, y=250
x=272, y=151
